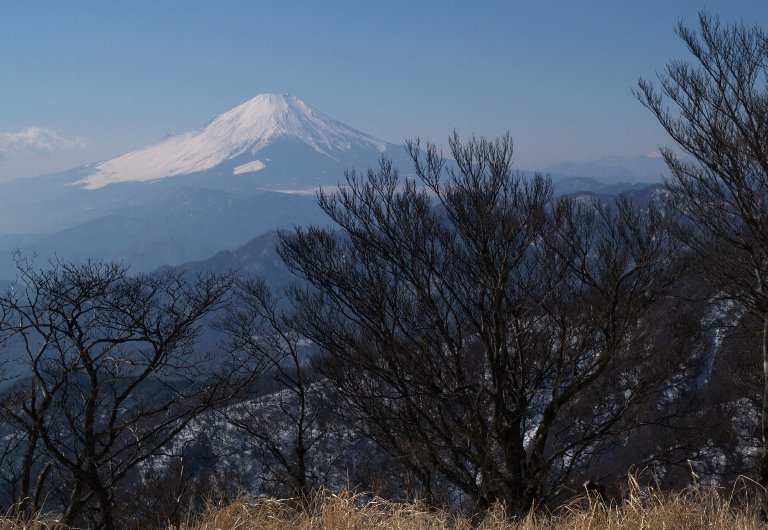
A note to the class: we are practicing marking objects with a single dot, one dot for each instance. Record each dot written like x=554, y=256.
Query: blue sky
x=98, y=79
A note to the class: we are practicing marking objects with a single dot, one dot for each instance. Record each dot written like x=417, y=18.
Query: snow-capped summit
x=235, y=139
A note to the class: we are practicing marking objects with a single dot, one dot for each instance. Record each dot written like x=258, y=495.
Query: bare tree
x=489, y=339
x=289, y=424
x=112, y=372
x=716, y=110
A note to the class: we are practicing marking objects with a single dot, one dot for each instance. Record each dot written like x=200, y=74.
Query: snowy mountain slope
x=240, y=134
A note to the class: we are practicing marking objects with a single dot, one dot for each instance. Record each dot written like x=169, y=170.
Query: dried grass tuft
x=640, y=508
x=13, y=520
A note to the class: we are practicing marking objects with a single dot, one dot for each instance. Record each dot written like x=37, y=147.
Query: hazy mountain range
x=614, y=169
x=247, y=172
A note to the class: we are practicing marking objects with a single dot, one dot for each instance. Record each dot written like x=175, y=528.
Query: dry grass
x=695, y=508
x=641, y=508
x=40, y=522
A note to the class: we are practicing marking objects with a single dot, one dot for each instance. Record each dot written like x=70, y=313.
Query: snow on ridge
x=247, y=128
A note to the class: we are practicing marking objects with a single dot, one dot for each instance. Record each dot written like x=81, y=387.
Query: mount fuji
x=250, y=170
x=287, y=142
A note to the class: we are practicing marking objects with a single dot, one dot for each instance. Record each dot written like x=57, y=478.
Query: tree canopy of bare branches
x=478, y=331
x=111, y=373
x=290, y=427
x=716, y=109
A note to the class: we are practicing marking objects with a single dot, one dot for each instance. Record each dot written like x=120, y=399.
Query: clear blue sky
x=101, y=78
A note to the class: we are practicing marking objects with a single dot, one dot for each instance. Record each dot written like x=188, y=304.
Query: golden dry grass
x=40, y=522
x=695, y=508
x=641, y=509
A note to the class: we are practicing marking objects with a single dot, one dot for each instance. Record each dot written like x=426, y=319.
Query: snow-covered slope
x=239, y=134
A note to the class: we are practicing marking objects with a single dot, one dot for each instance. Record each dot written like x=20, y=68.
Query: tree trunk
x=39, y=484
x=105, y=507
x=25, y=503
x=301, y=473
x=73, y=507
x=763, y=469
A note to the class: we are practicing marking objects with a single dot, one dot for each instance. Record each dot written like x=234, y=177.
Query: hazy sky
x=85, y=81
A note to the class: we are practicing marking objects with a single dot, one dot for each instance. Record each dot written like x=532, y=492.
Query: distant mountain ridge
x=257, y=257
x=172, y=226
x=248, y=171
x=192, y=193
x=647, y=169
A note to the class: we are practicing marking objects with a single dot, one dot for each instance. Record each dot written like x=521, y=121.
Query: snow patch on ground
x=721, y=315
x=250, y=167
